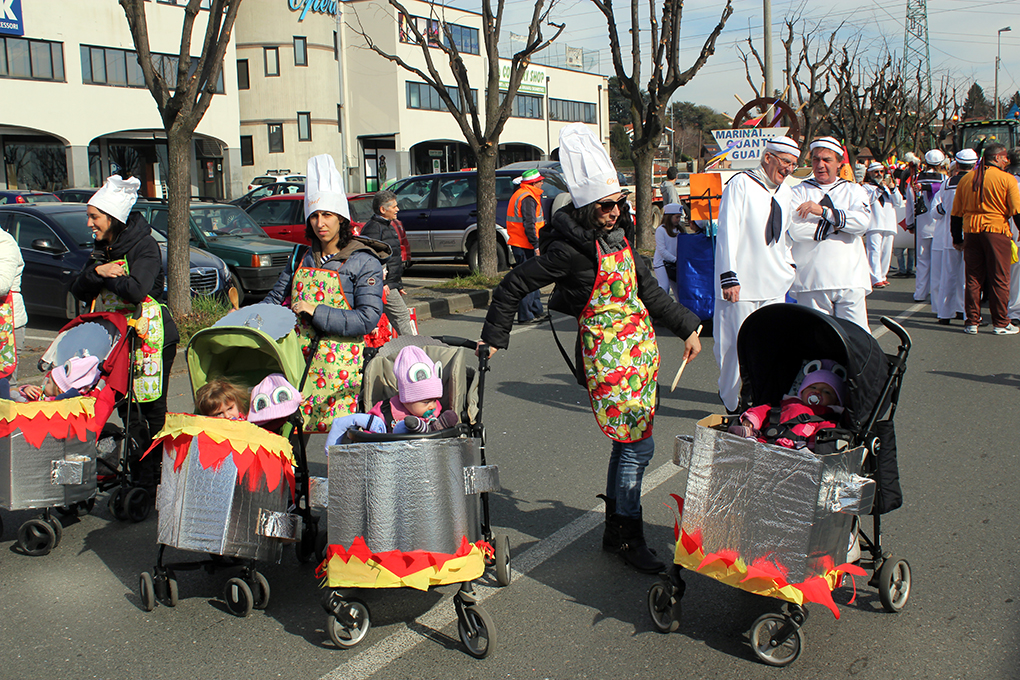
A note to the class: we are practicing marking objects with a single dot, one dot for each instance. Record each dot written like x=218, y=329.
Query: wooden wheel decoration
x=773, y=107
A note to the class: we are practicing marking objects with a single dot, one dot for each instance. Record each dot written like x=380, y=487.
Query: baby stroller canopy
x=775, y=341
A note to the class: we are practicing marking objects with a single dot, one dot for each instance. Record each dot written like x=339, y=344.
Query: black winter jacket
x=570, y=260
x=378, y=229
x=136, y=245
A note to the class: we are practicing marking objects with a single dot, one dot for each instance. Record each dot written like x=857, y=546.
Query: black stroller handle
x=455, y=341
x=899, y=330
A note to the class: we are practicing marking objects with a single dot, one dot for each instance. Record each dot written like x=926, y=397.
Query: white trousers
x=879, y=248
x=664, y=283
x=726, y=325
x=946, y=283
x=845, y=303
x=922, y=269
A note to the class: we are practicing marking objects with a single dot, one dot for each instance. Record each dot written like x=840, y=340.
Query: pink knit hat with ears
x=418, y=377
x=77, y=373
x=827, y=377
x=273, y=398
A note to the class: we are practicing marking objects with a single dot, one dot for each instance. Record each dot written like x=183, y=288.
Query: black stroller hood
x=775, y=341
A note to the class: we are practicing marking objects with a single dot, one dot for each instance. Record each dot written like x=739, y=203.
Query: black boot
x=633, y=548
x=611, y=534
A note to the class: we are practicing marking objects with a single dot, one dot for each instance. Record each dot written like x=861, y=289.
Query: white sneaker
x=970, y=330
x=1008, y=329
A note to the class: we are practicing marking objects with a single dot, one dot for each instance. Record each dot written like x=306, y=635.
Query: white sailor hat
x=830, y=143
x=967, y=157
x=782, y=145
x=875, y=166
x=934, y=157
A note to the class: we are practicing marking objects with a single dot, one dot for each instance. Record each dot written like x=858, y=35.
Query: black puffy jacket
x=378, y=229
x=569, y=259
x=136, y=245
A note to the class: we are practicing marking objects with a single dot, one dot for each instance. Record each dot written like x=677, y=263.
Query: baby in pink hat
x=801, y=417
x=74, y=378
x=415, y=408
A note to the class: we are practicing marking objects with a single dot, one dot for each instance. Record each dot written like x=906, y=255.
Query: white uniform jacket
x=920, y=215
x=828, y=251
x=884, y=202
x=748, y=252
x=942, y=205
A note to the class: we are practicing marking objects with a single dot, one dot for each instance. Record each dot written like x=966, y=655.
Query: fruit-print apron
x=148, y=358
x=8, y=352
x=334, y=374
x=621, y=358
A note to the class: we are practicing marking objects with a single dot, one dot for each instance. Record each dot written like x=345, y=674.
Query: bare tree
x=649, y=114
x=482, y=135
x=182, y=100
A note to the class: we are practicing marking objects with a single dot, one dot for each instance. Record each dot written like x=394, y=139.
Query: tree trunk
x=487, y=241
x=179, y=228
x=644, y=229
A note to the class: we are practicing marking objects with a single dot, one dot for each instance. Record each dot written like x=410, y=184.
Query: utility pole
x=767, y=20
x=998, y=50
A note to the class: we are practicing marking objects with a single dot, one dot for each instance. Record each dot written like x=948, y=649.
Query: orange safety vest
x=515, y=216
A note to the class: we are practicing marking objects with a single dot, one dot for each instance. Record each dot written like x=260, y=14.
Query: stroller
x=48, y=450
x=411, y=510
x=777, y=521
x=231, y=489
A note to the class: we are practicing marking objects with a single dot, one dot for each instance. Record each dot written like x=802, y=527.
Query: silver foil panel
x=481, y=479
x=282, y=525
x=59, y=472
x=209, y=511
x=403, y=495
x=771, y=502
x=683, y=446
x=318, y=492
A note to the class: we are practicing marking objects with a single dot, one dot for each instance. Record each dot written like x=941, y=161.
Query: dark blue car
x=56, y=242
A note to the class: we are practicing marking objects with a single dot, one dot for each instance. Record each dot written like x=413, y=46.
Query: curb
x=434, y=308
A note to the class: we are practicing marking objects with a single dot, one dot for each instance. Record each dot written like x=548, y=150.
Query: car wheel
x=236, y=283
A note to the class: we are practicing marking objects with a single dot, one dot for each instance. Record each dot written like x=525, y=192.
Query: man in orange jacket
x=524, y=219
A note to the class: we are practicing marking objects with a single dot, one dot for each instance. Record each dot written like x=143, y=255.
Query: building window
x=271, y=56
x=300, y=51
x=526, y=106
x=31, y=59
x=120, y=68
x=304, y=126
x=243, y=83
x=465, y=39
x=247, y=151
x=336, y=48
x=339, y=119
x=571, y=112
x=424, y=96
x=275, y=137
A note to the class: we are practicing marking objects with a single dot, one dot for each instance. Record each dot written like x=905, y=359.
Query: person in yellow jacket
x=524, y=219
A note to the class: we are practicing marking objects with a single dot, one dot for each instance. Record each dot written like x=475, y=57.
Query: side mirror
x=45, y=245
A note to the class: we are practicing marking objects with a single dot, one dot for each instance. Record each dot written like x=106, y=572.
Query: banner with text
x=532, y=83
x=745, y=144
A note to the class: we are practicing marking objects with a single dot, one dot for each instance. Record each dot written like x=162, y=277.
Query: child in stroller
x=74, y=378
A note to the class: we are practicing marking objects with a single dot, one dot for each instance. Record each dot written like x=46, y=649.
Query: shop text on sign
x=747, y=144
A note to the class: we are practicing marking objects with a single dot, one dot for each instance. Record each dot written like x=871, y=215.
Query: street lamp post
x=998, y=50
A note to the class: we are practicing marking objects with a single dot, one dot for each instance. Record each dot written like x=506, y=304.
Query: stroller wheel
x=767, y=648
x=116, y=504
x=172, y=592
x=36, y=537
x=503, y=571
x=238, y=597
x=477, y=631
x=137, y=504
x=260, y=590
x=147, y=591
x=663, y=608
x=894, y=584
x=58, y=529
x=349, y=623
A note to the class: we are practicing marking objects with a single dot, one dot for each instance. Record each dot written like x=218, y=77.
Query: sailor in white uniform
x=878, y=241
x=753, y=263
x=830, y=217
x=922, y=218
x=947, y=262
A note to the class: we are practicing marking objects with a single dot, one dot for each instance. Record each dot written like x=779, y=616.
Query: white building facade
x=74, y=107
x=378, y=120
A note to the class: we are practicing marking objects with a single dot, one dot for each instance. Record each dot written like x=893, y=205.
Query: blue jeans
x=531, y=304
x=626, y=469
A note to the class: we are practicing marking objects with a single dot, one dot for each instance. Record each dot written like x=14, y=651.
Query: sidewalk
x=430, y=303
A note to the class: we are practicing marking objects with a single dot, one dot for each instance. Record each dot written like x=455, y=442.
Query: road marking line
x=902, y=317
x=41, y=337
x=443, y=614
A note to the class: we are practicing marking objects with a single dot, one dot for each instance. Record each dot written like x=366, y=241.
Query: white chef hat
x=783, y=145
x=324, y=187
x=934, y=157
x=967, y=157
x=830, y=143
x=117, y=196
x=589, y=172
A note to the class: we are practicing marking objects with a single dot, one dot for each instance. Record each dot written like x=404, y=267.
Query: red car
x=280, y=217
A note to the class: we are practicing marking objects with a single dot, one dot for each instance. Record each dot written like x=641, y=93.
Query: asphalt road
x=573, y=611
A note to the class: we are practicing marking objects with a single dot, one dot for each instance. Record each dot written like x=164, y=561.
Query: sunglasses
x=607, y=206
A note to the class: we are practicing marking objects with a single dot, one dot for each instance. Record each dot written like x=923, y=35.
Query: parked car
x=281, y=218
x=8, y=196
x=439, y=212
x=271, y=178
x=255, y=260
x=56, y=242
x=76, y=195
x=273, y=189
